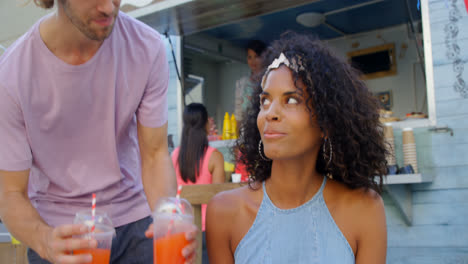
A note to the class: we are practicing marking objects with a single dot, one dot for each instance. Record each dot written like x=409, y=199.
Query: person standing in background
x=244, y=90
x=194, y=160
x=245, y=85
x=83, y=110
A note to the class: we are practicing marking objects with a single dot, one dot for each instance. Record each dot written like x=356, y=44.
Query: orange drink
x=169, y=249
x=100, y=255
x=172, y=219
x=100, y=229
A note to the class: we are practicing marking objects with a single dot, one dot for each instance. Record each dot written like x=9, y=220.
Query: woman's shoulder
x=239, y=208
x=231, y=202
x=357, y=212
x=357, y=197
x=359, y=202
x=210, y=150
x=215, y=157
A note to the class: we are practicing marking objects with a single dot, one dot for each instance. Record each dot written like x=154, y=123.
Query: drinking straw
x=93, y=211
x=179, y=190
x=171, y=224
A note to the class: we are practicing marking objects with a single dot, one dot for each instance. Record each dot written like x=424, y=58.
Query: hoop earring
x=329, y=157
x=261, y=152
x=331, y=151
x=252, y=178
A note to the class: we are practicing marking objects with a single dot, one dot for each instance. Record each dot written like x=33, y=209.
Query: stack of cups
x=409, y=149
x=390, y=144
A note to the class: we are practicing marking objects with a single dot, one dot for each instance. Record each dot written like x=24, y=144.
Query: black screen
x=373, y=62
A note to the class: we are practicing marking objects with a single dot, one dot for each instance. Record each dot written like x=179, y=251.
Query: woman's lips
x=273, y=135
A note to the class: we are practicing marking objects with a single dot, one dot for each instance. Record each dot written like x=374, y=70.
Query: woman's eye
x=292, y=100
x=265, y=101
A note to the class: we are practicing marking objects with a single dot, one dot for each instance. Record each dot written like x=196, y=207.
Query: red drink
x=172, y=218
x=100, y=255
x=168, y=249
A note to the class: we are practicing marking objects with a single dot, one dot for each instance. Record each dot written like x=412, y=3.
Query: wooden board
x=196, y=16
x=202, y=194
x=13, y=254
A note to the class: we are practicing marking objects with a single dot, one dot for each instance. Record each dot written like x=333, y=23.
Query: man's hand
x=190, y=251
x=26, y=225
x=59, y=244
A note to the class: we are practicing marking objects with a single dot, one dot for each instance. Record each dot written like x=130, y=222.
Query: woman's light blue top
x=306, y=234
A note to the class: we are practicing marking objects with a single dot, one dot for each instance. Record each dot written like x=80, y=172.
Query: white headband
x=295, y=66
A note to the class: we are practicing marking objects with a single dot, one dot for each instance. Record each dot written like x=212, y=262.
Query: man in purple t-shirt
x=83, y=110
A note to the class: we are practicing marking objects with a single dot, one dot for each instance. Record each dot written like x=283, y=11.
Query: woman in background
x=195, y=162
x=245, y=85
x=244, y=90
x=314, y=146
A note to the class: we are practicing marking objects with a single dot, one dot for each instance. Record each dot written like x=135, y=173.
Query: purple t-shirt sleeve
x=152, y=111
x=15, y=153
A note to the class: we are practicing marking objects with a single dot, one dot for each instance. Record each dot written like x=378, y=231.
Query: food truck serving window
x=392, y=48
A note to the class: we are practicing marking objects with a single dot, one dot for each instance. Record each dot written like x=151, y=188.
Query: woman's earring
x=329, y=157
x=252, y=178
x=261, y=152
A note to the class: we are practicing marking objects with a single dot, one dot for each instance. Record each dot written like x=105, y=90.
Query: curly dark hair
x=346, y=111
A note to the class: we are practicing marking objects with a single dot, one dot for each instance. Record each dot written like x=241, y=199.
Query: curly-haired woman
x=315, y=148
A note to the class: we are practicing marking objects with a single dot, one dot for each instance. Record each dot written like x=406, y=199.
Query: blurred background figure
x=244, y=90
x=194, y=161
x=245, y=85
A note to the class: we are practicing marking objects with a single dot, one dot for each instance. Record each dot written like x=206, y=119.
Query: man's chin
x=100, y=35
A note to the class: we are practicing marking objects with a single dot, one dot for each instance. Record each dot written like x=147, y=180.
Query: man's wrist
x=41, y=240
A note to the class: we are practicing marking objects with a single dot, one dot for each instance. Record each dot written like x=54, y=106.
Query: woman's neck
x=292, y=182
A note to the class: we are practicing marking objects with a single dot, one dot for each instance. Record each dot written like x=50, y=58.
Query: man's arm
x=25, y=224
x=159, y=177
x=157, y=172
x=17, y=212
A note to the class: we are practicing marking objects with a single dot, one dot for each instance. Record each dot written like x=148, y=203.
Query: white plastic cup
x=236, y=177
x=103, y=233
x=172, y=218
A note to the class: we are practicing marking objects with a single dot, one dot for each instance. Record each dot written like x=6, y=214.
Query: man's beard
x=80, y=24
